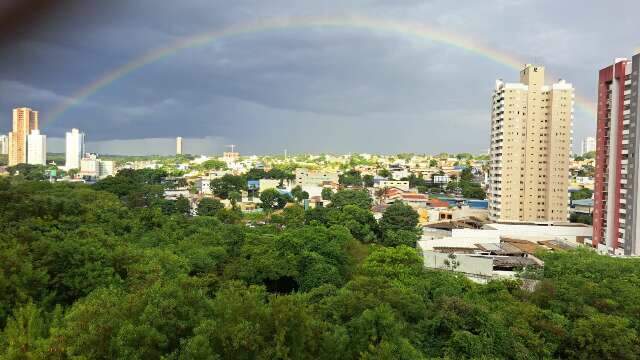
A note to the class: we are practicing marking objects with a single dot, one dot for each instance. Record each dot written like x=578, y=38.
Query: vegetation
x=583, y=193
x=351, y=178
x=103, y=272
x=466, y=185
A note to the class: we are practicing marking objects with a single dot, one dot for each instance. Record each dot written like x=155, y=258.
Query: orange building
x=24, y=120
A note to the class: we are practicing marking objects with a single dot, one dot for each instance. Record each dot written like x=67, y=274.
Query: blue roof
x=283, y=191
x=583, y=202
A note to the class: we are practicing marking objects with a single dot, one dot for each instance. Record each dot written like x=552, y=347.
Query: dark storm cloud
x=305, y=89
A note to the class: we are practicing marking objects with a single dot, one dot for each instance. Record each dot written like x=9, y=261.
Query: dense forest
x=114, y=271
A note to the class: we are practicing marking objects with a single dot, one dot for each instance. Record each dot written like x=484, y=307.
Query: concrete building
x=106, y=168
x=402, y=185
x=497, y=250
x=74, y=149
x=36, y=148
x=306, y=177
x=24, y=120
x=179, y=145
x=531, y=134
x=230, y=157
x=93, y=167
x=4, y=144
x=616, y=228
x=588, y=145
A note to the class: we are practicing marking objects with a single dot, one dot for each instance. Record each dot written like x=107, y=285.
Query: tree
x=24, y=333
x=209, y=207
x=183, y=206
x=72, y=173
x=367, y=180
x=385, y=173
x=272, y=199
x=603, y=336
x=399, y=225
x=213, y=164
x=359, y=198
x=228, y=183
x=296, y=192
x=235, y=197
x=583, y=193
x=433, y=163
x=473, y=191
x=28, y=171
x=326, y=193
x=350, y=178
x=359, y=221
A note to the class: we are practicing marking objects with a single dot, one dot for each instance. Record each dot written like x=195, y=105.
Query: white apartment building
x=588, y=145
x=36, y=148
x=531, y=134
x=4, y=144
x=74, y=149
x=179, y=145
x=306, y=177
x=94, y=167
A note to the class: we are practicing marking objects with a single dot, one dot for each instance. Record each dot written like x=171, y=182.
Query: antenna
x=232, y=146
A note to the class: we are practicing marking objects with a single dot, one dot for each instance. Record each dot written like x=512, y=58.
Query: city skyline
x=328, y=81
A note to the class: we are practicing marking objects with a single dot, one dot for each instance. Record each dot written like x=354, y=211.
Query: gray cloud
x=309, y=89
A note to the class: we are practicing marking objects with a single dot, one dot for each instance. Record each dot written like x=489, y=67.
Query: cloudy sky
x=305, y=88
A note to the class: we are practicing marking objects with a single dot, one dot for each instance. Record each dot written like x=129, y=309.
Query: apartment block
x=615, y=213
x=4, y=144
x=306, y=177
x=74, y=149
x=24, y=120
x=36, y=148
x=179, y=145
x=531, y=136
x=93, y=167
x=588, y=145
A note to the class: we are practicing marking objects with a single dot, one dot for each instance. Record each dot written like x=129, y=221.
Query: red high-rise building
x=615, y=224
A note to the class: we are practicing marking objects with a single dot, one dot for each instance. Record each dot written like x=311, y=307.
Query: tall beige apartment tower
x=24, y=120
x=531, y=135
x=179, y=145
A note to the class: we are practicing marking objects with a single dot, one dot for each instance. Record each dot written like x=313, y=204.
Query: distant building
x=531, y=126
x=441, y=179
x=497, y=250
x=616, y=227
x=36, y=148
x=74, y=149
x=24, y=120
x=106, y=168
x=230, y=156
x=93, y=167
x=402, y=185
x=179, y=145
x=306, y=177
x=588, y=145
x=4, y=144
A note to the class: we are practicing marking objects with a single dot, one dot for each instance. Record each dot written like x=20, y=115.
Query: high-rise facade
x=179, y=145
x=616, y=228
x=36, y=148
x=24, y=120
x=531, y=134
x=4, y=144
x=74, y=149
x=588, y=145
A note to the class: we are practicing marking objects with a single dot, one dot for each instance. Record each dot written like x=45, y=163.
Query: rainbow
x=414, y=30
